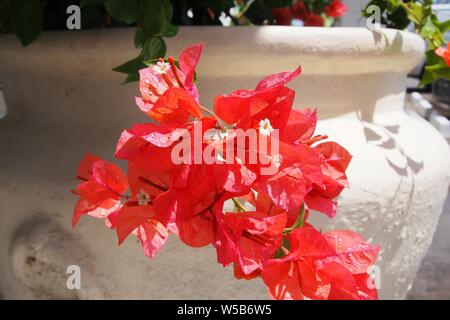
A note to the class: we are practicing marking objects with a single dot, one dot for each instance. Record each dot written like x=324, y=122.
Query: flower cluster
x=255, y=218
x=311, y=13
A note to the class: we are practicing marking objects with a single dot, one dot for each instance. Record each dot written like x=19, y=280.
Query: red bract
x=313, y=20
x=253, y=238
x=335, y=162
x=102, y=185
x=336, y=9
x=174, y=189
x=282, y=16
x=330, y=266
x=444, y=53
x=168, y=92
x=299, y=10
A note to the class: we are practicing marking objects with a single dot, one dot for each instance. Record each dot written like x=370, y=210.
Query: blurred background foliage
x=156, y=20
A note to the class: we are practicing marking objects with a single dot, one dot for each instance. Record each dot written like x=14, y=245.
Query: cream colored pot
x=63, y=100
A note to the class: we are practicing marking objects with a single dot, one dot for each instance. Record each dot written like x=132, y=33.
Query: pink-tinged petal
x=153, y=235
x=99, y=210
x=355, y=254
x=287, y=189
x=188, y=61
x=145, y=105
x=154, y=85
x=100, y=195
x=279, y=79
x=110, y=176
x=239, y=273
x=149, y=146
x=440, y=52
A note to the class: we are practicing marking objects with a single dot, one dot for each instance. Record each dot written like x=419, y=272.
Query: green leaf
x=151, y=62
x=131, y=66
x=125, y=11
x=435, y=69
x=415, y=12
x=257, y=13
x=285, y=244
x=428, y=77
x=428, y=28
x=27, y=17
x=139, y=38
x=85, y=3
x=277, y=3
x=441, y=70
x=444, y=26
x=131, y=78
x=154, y=48
x=170, y=31
x=156, y=17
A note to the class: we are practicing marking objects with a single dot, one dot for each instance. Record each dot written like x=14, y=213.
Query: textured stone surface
x=433, y=278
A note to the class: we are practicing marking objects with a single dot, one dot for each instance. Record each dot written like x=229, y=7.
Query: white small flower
x=265, y=128
x=143, y=198
x=161, y=67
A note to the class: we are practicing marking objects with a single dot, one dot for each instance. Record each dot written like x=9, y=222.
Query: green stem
x=299, y=222
x=238, y=205
x=214, y=115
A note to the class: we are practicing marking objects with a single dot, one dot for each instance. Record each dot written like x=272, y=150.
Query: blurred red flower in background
x=336, y=9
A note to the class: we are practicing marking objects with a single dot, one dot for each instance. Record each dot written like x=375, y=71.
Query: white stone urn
x=63, y=101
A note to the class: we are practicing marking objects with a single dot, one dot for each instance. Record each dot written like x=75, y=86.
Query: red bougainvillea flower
x=299, y=10
x=444, y=54
x=331, y=266
x=175, y=189
x=271, y=102
x=242, y=104
x=313, y=20
x=168, y=92
x=282, y=16
x=336, y=9
x=253, y=238
x=335, y=162
x=137, y=215
x=102, y=185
